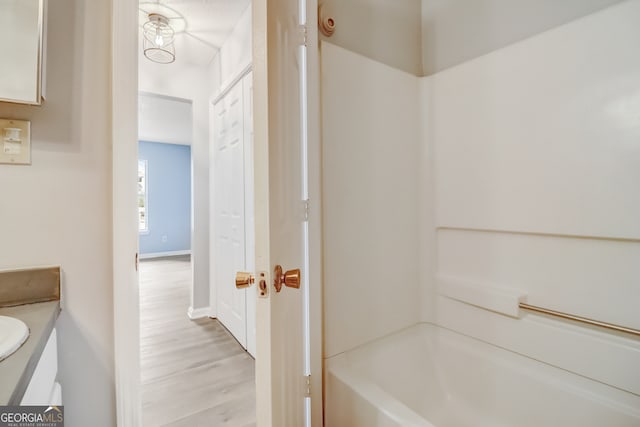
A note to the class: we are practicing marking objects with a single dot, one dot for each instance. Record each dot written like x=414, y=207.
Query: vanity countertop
x=17, y=369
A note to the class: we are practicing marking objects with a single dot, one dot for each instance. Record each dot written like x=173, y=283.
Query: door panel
x=280, y=221
x=286, y=215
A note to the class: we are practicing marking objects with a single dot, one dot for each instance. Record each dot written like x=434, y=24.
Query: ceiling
x=201, y=26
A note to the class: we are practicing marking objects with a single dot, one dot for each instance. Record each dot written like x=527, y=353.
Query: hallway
x=194, y=373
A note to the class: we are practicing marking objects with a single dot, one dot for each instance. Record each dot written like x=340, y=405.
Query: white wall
x=536, y=190
x=370, y=209
x=386, y=31
x=58, y=210
x=423, y=37
x=235, y=54
x=165, y=119
x=455, y=31
x=215, y=74
x=190, y=82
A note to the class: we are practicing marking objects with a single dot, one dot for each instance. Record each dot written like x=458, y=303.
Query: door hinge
x=305, y=210
x=302, y=35
x=307, y=386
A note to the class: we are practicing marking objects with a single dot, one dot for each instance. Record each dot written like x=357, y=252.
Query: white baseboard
x=198, y=313
x=164, y=254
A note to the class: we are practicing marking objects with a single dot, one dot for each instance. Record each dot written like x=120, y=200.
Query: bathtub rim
x=384, y=402
x=343, y=368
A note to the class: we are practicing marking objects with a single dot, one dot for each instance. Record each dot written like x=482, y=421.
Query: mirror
x=21, y=41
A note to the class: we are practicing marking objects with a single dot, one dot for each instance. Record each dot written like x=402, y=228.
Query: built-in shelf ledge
x=501, y=300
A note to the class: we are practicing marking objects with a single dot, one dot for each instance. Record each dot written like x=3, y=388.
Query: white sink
x=13, y=332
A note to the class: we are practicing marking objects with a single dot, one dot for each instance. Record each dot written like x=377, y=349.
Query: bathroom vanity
x=28, y=375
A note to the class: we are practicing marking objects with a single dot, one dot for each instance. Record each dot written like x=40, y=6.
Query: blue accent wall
x=168, y=197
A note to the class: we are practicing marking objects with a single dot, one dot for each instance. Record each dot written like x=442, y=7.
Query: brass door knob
x=291, y=278
x=244, y=280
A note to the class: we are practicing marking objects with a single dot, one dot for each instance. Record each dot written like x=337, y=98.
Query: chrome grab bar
x=580, y=319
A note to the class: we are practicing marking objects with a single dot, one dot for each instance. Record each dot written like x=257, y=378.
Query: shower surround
x=508, y=178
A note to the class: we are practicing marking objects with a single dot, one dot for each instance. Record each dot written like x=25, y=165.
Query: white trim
x=314, y=165
x=164, y=254
x=124, y=158
x=199, y=313
x=226, y=88
x=185, y=143
x=165, y=97
x=213, y=287
x=263, y=363
x=483, y=295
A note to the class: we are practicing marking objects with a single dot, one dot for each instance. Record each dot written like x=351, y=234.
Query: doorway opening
x=194, y=367
x=164, y=176
x=280, y=336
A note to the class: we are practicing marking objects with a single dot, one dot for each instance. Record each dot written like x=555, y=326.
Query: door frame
x=314, y=156
x=124, y=116
x=124, y=133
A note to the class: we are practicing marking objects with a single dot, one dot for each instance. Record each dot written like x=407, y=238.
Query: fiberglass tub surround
x=507, y=179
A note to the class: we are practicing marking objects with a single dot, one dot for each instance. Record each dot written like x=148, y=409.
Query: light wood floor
x=194, y=373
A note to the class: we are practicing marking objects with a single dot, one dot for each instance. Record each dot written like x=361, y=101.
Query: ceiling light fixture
x=158, y=39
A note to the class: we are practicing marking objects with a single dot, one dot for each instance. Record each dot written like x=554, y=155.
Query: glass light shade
x=158, y=39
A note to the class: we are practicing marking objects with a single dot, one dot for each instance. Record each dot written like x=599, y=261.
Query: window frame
x=144, y=166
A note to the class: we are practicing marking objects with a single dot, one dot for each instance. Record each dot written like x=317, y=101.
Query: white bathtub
x=428, y=376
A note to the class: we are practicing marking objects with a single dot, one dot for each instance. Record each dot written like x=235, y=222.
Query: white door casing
x=287, y=172
x=249, y=211
x=124, y=128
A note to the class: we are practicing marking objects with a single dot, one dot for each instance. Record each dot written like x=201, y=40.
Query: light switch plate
x=15, y=142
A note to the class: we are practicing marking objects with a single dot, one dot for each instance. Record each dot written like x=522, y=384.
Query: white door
x=229, y=212
x=233, y=218
x=287, y=347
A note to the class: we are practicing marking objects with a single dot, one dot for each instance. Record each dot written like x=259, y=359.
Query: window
x=143, y=221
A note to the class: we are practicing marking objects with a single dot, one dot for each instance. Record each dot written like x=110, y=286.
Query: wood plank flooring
x=194, y=373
